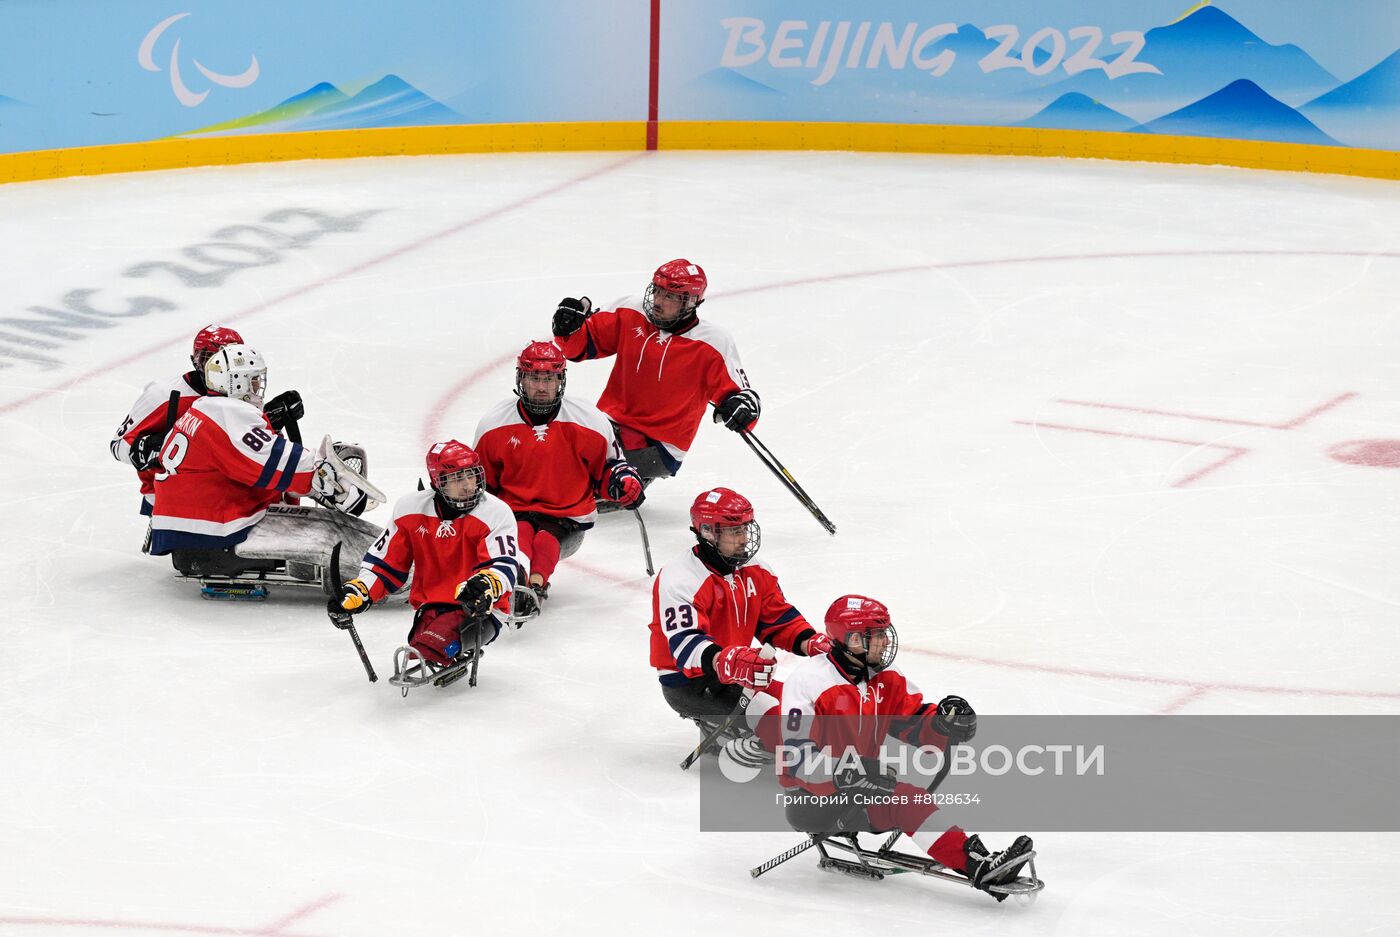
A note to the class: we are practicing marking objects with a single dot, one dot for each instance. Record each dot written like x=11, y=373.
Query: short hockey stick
x=646, y=541
x=338, y=583
x=719, y=730
x=784, y=476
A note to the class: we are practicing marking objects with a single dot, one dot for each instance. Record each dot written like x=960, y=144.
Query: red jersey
x=442, y=554
x=222, y=467
x=695, y=609
x=660, y=382
x=556, y=468
x=823, y=709
x=148, y=415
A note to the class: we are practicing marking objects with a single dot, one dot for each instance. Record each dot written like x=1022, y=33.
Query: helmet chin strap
x=851, y=660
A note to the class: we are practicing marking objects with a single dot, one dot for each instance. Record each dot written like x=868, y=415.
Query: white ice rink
x=1078, y=424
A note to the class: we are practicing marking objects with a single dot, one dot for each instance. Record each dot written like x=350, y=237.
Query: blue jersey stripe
x=274, y=458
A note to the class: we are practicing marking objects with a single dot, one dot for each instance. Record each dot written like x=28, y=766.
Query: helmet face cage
x=868, y=637
x=441, y=478
x=236, y=371
x=714, y=534
x=655, y=294
x=535, y=406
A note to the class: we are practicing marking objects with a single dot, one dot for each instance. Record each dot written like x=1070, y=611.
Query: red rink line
x=1294, y=423
x=1233, y=453
x=302, y=290
x=1050, y=258
x=1200, y=685
x=275, y=929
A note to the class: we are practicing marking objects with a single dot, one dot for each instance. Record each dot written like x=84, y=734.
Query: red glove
x=750, y=667
x=817, y=645
x=625, y=486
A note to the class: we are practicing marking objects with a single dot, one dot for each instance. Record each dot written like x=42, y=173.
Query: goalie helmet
x=209, y=340
x=455, y=472
x=541, y=359
x=861, y=625
x=724, y=525
x=236, y=371
x=676, y=290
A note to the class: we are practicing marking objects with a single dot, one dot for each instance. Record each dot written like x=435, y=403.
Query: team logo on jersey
x=515, y=440
x=640, y=334
x=445, y=529
x=541, y=433
x=422, y=530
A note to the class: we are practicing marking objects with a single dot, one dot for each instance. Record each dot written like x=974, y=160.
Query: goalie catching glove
x=481, y=591
x=354, y=598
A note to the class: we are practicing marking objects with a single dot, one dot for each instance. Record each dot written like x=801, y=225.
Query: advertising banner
x=91, y=72
x=1238, y=69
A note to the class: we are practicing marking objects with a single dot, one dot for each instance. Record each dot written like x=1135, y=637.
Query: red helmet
x=540, y=358
x=677, y=280
x=453, y=461
x=716, y=511
x=860, y=615
x=209, y=340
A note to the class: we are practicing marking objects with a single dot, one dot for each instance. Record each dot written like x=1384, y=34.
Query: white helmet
x=236, y=371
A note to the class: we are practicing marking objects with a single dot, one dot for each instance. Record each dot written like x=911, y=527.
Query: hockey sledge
x=291, y=547
x=874, y=864
x=412, y=670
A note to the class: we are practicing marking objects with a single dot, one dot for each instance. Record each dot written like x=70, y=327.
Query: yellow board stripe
x=693, y=135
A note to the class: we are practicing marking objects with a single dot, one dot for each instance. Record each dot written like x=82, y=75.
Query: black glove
x=480, y=592
x=145, y=450
x=738, y=410
x=354, y=598
x=955, y=719
x=569, y=317
x=285, y=408
x=867, y=778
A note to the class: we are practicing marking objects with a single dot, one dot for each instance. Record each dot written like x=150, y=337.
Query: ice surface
x=1071, y=418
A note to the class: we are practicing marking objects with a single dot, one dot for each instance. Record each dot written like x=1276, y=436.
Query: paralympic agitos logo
x=183, y=94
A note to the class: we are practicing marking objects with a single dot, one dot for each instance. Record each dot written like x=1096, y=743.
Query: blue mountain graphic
x=1077, y=112
x=1204, y=51
x=389, y=102
x=1378, y=86
x=319, y=94
x=1240, y=111
x=1366, y=110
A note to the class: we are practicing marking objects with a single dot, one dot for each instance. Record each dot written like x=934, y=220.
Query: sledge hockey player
x=669, y=365
x=458, y=541
x=223, y=464
x=710, y=604
x=548, y=457
x=138, y=440
x=845, y=702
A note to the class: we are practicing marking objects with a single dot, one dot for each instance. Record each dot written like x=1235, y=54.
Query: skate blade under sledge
x=412, y=670
x=876, y=864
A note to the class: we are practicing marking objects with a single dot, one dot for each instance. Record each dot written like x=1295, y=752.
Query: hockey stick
x=646, y=541
x=784, y=476
x=933, y=786
x=339, y=583
x=719, y=730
